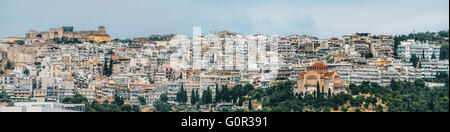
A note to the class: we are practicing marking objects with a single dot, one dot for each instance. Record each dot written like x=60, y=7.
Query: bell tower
x=102, y=30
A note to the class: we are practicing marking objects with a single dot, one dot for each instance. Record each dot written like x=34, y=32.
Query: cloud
x=137, y=18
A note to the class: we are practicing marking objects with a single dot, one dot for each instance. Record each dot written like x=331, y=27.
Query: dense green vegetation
x=414, y=60
x=4, y=98
x=399, y=96
x=20, y=42
x=161, y=105
x=181, y=96
x=236, y=95
x=65, y=40
x=444, y=55
x=207, y=97
x=108, y=65
x=368, y=55
x=116, y=106
x=142, y=100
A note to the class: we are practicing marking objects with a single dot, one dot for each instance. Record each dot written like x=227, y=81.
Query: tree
x=76, y=99
x=164, y=98
x=238, y=92
x=248, y=88
x=110, y=52
x=217, y=96
x=250, y=107
x=368, y=55
x=443, y=34
x=105, y=67
x=161, y=105
x=257, y=94
x=394, y=85
x=344, y=109
x=126, y=108
x=207, y=96
x=225, y=95
x=329, y=93
x=318, y=90
x=193, y=97
x=444, y=53
x=20, y=42
x=414, y=60
x=357, y=101
x=281, y=95
x=181, y=96
x=3, y=96
x=322, y=94
x=197, y=96
x=26, y=72
x=142, y=100
x=423, y=54
x=118, y=100
x=379, y=108
x=9, y=65
x=110, y=67
x=433, y=56
x=354, y=89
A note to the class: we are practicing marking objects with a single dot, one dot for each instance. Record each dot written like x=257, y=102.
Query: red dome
x=318, y=67
x=318, y=64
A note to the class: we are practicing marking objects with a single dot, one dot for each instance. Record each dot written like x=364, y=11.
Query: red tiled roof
x=115, y=57
x=14, y=38
x=318, y=64
x=103, y=100
x=329, y=73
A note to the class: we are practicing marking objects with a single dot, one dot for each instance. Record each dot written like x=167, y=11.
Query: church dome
x=318, y=66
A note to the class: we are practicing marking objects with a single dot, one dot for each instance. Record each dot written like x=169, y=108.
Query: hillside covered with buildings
x=225, y=71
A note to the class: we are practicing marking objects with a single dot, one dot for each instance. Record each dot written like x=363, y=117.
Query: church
x=318, y=74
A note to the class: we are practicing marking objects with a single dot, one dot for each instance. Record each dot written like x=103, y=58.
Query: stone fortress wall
x=66, y=32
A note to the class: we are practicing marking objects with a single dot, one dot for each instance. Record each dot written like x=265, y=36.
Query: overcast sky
x=139, y=18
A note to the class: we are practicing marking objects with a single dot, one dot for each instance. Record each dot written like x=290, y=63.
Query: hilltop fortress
x=66, y=32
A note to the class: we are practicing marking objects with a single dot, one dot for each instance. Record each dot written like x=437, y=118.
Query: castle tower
x=102, y=30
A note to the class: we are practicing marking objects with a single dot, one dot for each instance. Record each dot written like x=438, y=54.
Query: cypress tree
x=423, y=54
x=204, y=97
x=197, y=98
x=217, y=96
x=329, y=93
x=181, y=96
x=433, y=56
x=322, y=94
x=414, y=60
x=185, y=97
x=208, y=96
x=314, y=94
x=224, y=93
x=105, y=68
x=110, y=68
x=318, y=90
x=250, y=107
x=193, y=97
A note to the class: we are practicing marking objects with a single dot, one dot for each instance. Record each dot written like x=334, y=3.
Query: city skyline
x=138, y=18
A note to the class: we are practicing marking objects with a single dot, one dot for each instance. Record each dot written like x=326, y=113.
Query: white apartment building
x=410, y=47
